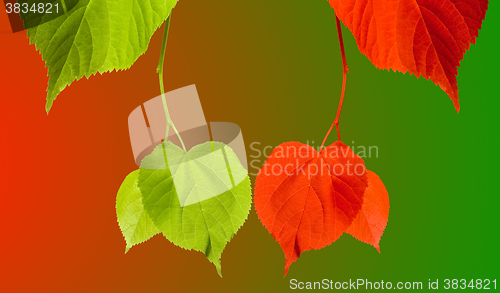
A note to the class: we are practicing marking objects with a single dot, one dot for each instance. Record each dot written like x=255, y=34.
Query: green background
x=440, y=168
x=274, y=68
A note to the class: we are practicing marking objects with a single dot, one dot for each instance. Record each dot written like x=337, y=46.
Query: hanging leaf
x=423, y=37
x=371, y=221
x=198, y=199
x=134, y=222
x=306, y=199
x=96, y=36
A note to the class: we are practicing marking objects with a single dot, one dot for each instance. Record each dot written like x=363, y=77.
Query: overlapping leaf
x=423, y=37
x=96, y=36
x=134, y=222
x=197, y=199
x=371, y=221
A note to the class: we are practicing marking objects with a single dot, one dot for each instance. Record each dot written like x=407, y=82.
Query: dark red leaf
x=423, y=37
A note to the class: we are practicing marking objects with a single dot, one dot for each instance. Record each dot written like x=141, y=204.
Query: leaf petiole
x=170, y=123
x=64, y=6
x=345, y=70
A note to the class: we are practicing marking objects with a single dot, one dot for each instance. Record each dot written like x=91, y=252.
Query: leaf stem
x=170, y=123
x=345, y=70
x=64, y=6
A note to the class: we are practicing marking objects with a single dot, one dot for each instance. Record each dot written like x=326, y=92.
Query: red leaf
x=424, y=37
x=371, y=221
x=306, y=199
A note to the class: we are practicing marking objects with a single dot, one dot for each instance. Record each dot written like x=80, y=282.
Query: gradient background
x=274, y=68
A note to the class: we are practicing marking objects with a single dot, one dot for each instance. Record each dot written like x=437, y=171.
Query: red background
x=61, y=172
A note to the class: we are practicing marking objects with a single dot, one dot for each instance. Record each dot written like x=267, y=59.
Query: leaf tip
x=456, y=104
x=219, y=271
x=287, y=266
x=48, y=105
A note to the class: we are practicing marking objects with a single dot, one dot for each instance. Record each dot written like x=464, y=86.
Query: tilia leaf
x=198, y=199
x=96, y=36
x=423, y=37
x=134, y=222
x=371, y=221
x=306, y=199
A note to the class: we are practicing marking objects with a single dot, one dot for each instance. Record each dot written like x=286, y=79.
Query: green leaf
x=96, y=36
x=133, y=220
x=197, y=199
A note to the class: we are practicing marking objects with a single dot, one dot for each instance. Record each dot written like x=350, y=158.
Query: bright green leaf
x=197, y=199
x=134, y=222
x=96, y=36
